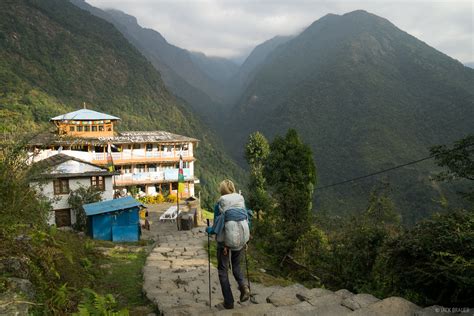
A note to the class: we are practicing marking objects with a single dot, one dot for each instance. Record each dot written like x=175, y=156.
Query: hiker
x=231, y=227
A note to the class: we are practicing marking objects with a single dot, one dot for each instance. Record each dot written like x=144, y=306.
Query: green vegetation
x=459, y=162
x=59, y=264
x=55, y=56
x=80, y=196
x=365, y=96
x=291, y=176
x=430, y=263
x=122, y=277
x=256, y=152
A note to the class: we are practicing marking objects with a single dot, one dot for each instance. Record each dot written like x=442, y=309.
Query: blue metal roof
x=110, y=205
x=84, y=114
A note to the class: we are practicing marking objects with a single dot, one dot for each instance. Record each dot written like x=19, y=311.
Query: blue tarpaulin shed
x=115, y=220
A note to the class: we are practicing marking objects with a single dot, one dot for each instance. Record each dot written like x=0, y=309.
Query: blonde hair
x=226, y=187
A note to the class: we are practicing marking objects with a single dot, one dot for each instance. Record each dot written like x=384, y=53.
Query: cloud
x=232, y=28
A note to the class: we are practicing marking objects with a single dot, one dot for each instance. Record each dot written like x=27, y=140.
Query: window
x=61, y=186
x=101, y=128
x=136, y=146
x=71, y=128
x=79, y=129
x=149, y=147
x=174, y=186
x=151, y=168
x=94, y=128
x=87, y=128
x=98, y=182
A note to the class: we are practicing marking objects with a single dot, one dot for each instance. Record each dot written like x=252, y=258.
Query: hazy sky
x=232, y=28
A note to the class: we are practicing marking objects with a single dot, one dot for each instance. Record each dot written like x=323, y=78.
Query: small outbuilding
x=115, y=220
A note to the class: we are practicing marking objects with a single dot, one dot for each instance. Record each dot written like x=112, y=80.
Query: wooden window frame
x=98, y=182
x=61, y=186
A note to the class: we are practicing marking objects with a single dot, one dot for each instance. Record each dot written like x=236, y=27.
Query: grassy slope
x=54, y=57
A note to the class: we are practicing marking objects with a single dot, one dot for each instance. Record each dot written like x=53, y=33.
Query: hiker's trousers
x=223, y=266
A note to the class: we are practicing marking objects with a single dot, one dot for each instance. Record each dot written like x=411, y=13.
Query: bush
x=79, y=197
x=172, y=198
x=152, y=199
x=431, y=263
x=20, y=204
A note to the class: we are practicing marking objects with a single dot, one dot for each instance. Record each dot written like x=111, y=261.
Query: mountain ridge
x=55, y=55
x=366, y=96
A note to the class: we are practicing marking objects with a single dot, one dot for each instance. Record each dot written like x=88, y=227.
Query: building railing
x=140, y=154
x=116, y=156
x=150, y=177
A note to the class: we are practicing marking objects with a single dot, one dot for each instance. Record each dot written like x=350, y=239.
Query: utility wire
x=387, y=170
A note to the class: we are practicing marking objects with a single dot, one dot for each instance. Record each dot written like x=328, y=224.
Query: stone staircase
x=176, y=280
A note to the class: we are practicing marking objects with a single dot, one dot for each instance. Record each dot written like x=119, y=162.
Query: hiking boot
x=222, y=306
x=244, y=293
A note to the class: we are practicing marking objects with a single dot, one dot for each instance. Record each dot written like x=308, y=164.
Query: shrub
x=159, y=198
x=79, y=197
x=172, y=198
x=431, y=263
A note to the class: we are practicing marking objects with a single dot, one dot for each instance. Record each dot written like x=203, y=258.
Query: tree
x=256, y=152
x=459, y=162
x=291, y=175
x=20, y=203
x=80, y=196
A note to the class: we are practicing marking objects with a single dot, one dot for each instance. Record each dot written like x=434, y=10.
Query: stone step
x=176, y=279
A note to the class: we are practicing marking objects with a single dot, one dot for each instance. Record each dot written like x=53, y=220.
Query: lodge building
x=148, y=160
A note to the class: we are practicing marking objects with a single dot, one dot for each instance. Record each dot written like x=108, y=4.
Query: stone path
x=176, y=280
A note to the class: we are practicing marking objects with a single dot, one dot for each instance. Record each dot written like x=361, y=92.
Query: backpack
x=236, y=234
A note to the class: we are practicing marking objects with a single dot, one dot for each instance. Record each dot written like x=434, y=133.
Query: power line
x=386, y=170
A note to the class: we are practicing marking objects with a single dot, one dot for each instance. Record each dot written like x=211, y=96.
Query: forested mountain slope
x=55, y=56
x=366, y=96
x=182, y=71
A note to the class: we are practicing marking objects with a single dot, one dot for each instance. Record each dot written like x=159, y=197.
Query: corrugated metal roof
x=110, y=205
x=84, y=114
x=61, y=158
x=147, y=137
x=51, y=138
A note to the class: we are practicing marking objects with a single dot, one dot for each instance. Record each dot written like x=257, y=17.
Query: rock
x=358, y=301
x=325, y=300
x=392, y=306
x=251, y=310
x=344, y=293
x=16, y=266
x=284, y=296
x=314, y=292
x=22, y=285
x=9, y=304
x=302, y=308
x=330, y=310
x=434, y=310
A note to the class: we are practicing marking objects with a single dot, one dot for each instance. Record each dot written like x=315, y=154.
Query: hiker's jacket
x=230, y=207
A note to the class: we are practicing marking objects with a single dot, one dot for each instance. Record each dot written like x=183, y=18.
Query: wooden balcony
x=140, y=156
x=166, y=176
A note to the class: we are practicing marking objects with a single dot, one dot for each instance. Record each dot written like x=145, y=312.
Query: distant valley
x=362, y=93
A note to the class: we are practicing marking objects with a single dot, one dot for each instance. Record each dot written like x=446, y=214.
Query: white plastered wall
x=59, y=202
